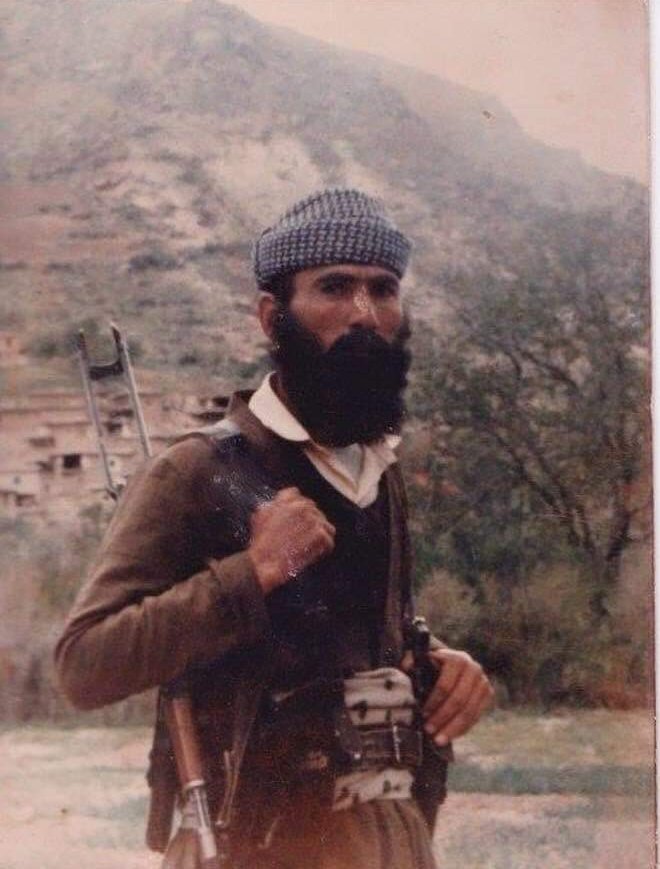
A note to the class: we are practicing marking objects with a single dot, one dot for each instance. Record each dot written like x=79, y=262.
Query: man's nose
x=363, y=309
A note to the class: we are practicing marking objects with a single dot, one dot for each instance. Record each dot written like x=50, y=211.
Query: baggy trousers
x=382, y=834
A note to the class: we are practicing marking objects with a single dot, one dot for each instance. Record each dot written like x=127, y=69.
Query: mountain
x=145, y=144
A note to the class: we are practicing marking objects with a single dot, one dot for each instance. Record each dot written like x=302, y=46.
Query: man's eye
x=385, y=289
x=335, y=288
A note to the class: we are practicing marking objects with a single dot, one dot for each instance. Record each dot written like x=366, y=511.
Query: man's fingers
x=287, y=494
x=461, y=694
x=311, y=522
x=314, y=541
x=478, y=702
x=319, y=540
x=288, y=534
x=450, y=670
x=407, y=662
x=451, y=702
x=325, y=542
x=329, y=528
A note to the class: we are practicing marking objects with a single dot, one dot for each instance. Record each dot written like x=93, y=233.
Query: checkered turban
x=327, y=228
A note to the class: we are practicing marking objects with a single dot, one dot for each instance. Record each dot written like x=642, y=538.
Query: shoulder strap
x=228, y=439
x=399, y=573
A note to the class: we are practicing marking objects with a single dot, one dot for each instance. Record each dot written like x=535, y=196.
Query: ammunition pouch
x=306, y=740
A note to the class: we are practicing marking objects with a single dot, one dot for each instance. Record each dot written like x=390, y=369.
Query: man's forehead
x=351, y=270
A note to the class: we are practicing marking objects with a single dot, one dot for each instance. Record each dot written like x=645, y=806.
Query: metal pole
x=125, y=360
x=83, y=360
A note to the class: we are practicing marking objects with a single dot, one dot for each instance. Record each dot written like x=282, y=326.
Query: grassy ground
x=563, y=790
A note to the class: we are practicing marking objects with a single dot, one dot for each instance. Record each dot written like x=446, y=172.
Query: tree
x=539, y=396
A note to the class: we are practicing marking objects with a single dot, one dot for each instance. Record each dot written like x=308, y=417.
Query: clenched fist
x=287, y=534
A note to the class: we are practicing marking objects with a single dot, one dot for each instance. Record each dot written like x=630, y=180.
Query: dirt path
x=77, y=798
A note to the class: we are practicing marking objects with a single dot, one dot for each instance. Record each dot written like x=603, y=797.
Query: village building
x=50, y=463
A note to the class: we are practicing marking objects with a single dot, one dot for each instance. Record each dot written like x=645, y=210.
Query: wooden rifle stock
x=185, y=744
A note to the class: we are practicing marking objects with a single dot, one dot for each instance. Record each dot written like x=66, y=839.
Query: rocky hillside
x=144, y=145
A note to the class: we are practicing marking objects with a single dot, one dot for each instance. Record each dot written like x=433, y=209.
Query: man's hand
x=288, y=534
x=461, y=694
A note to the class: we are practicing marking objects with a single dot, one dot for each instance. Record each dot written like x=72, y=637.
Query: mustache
x=360, y=342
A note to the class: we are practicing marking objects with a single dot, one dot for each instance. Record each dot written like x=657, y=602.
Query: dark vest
x=330, y=621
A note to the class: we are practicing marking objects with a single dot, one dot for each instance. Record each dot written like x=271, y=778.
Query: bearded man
x=268, y=560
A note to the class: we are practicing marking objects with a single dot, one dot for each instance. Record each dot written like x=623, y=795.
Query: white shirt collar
x=355, y=476
x=271, y=411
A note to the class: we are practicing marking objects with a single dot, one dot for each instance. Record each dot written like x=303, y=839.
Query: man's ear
x=266, y=311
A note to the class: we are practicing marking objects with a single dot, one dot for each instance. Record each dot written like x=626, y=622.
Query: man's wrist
x=266, y=573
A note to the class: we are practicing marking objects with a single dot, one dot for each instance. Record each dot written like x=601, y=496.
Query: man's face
x=340, y=352
x=331, y=300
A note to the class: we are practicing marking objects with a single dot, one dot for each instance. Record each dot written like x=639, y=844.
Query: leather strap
x=396, y=745
x=392, y=745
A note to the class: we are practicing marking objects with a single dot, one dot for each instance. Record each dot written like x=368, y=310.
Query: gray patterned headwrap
x=328, y=228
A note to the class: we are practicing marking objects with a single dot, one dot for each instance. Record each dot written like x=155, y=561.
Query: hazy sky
x=573, y=72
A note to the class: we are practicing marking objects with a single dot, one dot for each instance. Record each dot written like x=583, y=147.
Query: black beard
x=350, y=393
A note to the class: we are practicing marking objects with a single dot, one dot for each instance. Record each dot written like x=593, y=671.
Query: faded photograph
x=325, y=481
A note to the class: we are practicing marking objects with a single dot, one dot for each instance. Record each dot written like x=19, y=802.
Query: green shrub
x=41, y=570
x=540, y=640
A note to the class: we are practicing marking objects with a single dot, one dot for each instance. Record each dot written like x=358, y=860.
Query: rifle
x=430, y=786
x=177, y=702
x=424, y=673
